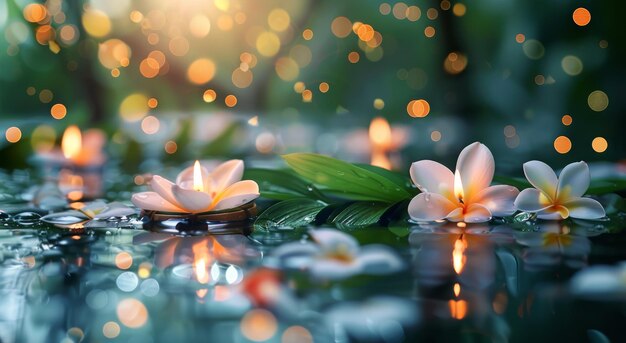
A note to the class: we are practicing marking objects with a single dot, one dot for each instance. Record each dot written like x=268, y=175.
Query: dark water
x=110, y=280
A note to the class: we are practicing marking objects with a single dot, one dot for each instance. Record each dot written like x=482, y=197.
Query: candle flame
x=379, y=159
x=380, y=133
x=457, y=289
x=458, y=309
x=458, y=254
x=458, y=186
x=198, y=185
x=71, y=144
x=380, y=136
x=201, y=256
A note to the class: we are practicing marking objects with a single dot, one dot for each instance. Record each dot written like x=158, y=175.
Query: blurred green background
x=174, y=80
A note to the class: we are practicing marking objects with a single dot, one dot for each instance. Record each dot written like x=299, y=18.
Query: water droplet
x=340, y=173
x=27, y=218
x=310, y=188
x=523, y=217
x=64, y=218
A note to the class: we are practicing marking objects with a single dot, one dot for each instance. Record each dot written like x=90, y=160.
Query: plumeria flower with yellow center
x=335, y=255
x=466, y=194
x=196, y=190
x=558, y=198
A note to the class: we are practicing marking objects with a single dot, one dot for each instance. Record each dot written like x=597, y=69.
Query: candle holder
x=238, y=220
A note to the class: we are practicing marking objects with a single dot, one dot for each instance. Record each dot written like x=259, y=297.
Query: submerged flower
x=558, y=198
x=196, y=190
x=97, y=210
x=466, y=194
x=336, y=255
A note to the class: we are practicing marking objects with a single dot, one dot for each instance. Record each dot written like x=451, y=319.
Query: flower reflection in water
x=457, y=264
x=335, y=255
x=557, y=243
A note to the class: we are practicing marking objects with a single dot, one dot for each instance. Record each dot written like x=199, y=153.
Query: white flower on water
x=466, y=194
x=558, y=198
x=196, y=190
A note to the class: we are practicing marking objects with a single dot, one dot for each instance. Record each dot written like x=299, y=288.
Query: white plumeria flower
x=336, y=255
x=196, y=190
x=466, y=194
x=558, y=198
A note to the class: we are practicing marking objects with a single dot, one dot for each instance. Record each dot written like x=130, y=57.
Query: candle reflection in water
x=81, y=176
x=458, y=308
x=380, y=137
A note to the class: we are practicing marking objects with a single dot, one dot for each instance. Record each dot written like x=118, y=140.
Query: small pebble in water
x=27, y=218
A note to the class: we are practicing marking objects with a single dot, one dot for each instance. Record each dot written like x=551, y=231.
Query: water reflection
x=553, y=243
x=496, y=282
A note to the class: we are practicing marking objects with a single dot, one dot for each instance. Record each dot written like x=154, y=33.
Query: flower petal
x=378, y=259
x=237, y=194
x=190, y=200
x=585, y=208
x=573, y=181
x=152, y=201
x=163, y=187
x=549, y=214
x=430, y=206
x=499, y=200
x=330, y=240
x=330, y=269
x=432, y=177
x=185, y=178
x=475, y=166
x=227, y=174
x=477, y=213
x=456, y=215
x=115, y=211
x=529, y=200
x=542, y=177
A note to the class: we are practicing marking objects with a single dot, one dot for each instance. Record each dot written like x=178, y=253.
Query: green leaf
x=400, y=231
x=361, y=214
x=293, y=212
x=282, y=185
x=399, y=179
x=345, y=179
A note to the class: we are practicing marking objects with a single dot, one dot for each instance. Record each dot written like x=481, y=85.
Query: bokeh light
x=58, y=111
x=13, y=134
x=209, y=95
x=566, y=120
x=134, y=107
x=230, y=100
x=96, y=23
x=599, y=144
x=562, y=144
x=296, y=334
x=123, y=260
x=598, y=101
x=341, y=27
x=132, y=313
x=35, y=13
x=201, y=71
x=418, y=108
x=581, y=16
x=324, y=87
x=258, y=325
x=150, y=125
x=111, y=330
